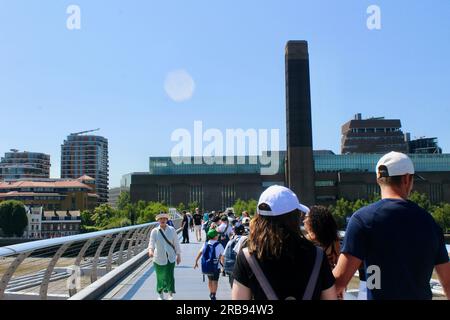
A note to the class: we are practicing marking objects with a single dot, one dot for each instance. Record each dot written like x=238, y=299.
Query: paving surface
x=189, y=285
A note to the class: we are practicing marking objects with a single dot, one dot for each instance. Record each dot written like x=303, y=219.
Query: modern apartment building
x=19, y=165
x=87, y=155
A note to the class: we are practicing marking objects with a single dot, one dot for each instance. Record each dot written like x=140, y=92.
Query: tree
x=192, y=205
x=181, y=207
x=251, y=206
x=342, y=210
x=102, y=215
x=358, y=204
x=239, y=206
x=13, y=218
x=150, y=212
x=441, y=215
x=123, y=200
x=421, y=199
x=130, y=213
x=139, y=209
x=86, y=218
x=118, y=222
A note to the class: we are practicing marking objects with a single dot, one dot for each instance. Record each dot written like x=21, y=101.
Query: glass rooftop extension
x=323, y=163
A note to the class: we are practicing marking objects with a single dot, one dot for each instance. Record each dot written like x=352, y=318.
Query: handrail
x=41, y=244
x=104, y=252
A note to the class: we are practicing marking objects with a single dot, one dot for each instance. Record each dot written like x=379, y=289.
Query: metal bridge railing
x=59, y=268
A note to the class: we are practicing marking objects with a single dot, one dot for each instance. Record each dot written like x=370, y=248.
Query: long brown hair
x=267, y=234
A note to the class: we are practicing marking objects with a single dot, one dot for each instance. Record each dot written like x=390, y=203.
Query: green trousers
x=165, y=280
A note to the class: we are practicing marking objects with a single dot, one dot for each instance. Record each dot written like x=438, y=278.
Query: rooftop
x=43, y=183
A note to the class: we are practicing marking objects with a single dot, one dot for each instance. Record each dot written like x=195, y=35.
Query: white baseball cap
x=394, y=164
x=281, y=200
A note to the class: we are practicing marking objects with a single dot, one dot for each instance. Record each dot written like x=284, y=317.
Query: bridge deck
x=189, y=285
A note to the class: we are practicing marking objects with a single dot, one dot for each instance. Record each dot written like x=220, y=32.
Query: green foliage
x=130, y=212
x=86, y=229
x=181, y=207
x=150, y=212
x=118, y=222
x=140, y=206
x=13, y=218
x=251, y=206
x=102, y=215
x=442, y=216
x=124, y=200
x=241, y=205
x=105, y=217
x=344, y=208
x=86, y=222
x=421, y=199
x=192, y=205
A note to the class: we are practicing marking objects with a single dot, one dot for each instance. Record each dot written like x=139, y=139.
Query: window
x=325, y=183
x=228, y=196
x=196, y=194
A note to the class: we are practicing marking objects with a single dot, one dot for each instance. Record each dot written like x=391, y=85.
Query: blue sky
x=111, y=73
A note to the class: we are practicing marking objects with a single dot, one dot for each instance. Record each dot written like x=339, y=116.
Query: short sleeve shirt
x=287, y=275
x=197, y=219
x=403, y=241
x=186, y=222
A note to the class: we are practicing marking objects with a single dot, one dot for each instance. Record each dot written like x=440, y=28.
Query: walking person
x=277, y=262
x=212, y=257
x=191, y=222
x=322, y=230
x=207, y=224
x=230, y=215
x=224, y=229
x=164, y=248
x=185, y=227
x=396, y=238
x=205, y=215
x=198, y=224
x=230, y=253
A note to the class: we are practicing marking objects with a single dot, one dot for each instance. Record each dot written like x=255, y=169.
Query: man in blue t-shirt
x=398, y=242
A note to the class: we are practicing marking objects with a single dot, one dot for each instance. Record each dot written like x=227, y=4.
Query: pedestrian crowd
x=289, y=251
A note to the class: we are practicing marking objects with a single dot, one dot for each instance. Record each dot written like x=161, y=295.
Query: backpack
x=230, y=256
x=206, y=225
x=223, y=236
x=209, y=260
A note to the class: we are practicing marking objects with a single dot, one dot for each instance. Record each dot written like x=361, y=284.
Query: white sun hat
x=281, y=200
x=162, y=215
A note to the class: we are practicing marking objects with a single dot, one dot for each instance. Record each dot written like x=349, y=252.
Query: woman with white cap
x=277, y=262
x=164, y=248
